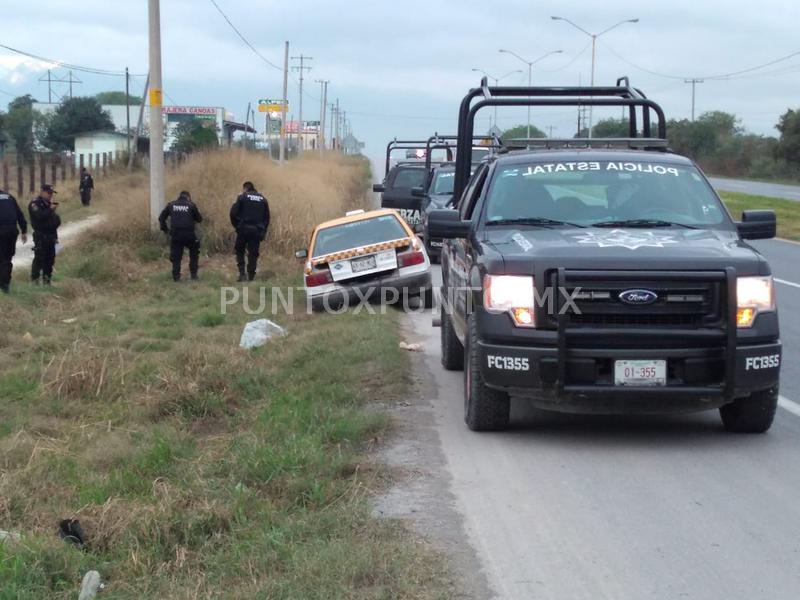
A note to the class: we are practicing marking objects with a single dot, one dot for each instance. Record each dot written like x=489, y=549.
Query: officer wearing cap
x=250, y=218
x=12, y=223
x=86, y=187
x=183, y=215
x=45, y=223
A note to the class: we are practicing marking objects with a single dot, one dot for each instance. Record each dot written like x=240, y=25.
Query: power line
x=66, y=65
x=244, y=39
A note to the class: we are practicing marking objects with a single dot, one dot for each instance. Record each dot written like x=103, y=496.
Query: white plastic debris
x=90, y=586
x=258, y=333
x=10, y=536
x=416, y=347
x=70, y=321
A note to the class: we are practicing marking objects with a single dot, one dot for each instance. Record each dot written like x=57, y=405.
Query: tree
x=116, y=98
x=611, y=128
x=194, y=135
x=521, y=131
x=789, y=143
x=19, y=124
x=74, y=117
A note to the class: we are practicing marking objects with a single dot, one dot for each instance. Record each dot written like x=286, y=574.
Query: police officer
x=12, y=222
x=86, y=187
x=183, y=215
x=45, y=223
x=250, y=219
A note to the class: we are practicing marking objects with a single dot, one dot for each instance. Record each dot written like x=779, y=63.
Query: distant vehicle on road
x=365, y=254
x=602, y=276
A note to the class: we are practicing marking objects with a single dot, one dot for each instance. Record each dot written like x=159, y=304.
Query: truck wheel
x=753, y=414
x=452, y=349
x=485, y=409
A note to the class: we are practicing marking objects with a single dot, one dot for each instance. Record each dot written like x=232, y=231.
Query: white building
x=98, y=143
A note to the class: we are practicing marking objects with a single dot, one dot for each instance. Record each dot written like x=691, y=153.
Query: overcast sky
x=400, y=68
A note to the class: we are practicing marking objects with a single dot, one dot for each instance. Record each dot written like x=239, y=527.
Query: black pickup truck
x=603, y=276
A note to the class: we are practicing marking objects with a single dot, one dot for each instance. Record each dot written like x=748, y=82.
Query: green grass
x=786, y=211
x=196, y=469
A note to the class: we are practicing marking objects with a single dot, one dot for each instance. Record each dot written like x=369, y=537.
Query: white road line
x=791, y=406
x=784, y=282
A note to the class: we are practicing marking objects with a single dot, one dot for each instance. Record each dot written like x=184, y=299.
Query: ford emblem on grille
x=639, y=297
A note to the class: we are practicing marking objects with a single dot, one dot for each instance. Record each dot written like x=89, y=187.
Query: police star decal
x=619, y=238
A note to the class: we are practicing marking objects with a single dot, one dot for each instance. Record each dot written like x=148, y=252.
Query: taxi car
x=364, y=254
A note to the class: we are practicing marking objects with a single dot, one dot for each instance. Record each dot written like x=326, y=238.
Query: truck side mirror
x=418, y=192
x=757, y=225
x=378, y=188
x=447, y=224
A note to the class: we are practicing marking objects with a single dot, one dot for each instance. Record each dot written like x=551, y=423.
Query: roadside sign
x=271, y=106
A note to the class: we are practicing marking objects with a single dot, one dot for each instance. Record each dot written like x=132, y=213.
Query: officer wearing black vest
x=86, y=187
x=250, y=219
x=12, y=223
x=45, y=223
x=183, y=215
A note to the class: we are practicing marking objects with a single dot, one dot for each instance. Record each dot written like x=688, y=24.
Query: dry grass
x=301, y=194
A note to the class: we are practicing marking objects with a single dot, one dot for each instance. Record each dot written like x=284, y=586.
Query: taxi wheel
x=485, y=409
x=753, y=414
x=452, y=349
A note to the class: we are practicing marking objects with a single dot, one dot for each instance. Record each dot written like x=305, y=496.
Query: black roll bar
x=396, y=144
x=619, y=95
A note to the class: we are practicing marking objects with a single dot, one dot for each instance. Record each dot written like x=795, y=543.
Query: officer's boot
x=242, y=276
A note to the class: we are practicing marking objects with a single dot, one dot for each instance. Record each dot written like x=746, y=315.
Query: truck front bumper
x=582, y=380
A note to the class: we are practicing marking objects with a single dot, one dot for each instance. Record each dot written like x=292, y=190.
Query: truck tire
x=485, y=409
x=452, y=349
x=753, y=414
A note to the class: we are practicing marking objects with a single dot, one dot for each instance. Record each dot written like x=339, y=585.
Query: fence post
x=90, y=166
x=20, y=186
x=53, y=169
x=81, y=165
x=111, y=160
x=105, y=159
x=63, y=162
x=97, y=162
x=6, y=185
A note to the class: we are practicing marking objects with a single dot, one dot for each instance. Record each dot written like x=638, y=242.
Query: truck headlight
x=753, y=295
x=512, y=294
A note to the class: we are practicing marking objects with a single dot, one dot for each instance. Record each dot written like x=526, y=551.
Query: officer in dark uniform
x=45, y=223
x=250, y=219
x=86, y=187
x=12, y=223
x=183, y=215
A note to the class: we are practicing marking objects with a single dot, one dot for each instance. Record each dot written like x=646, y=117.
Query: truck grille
x=682, y=300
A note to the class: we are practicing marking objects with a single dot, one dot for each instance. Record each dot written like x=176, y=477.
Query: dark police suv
x=603, y=276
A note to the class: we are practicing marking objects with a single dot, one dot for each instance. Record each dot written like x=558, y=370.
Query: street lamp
x=530, y=64
x=497, y=81
x=594, y=37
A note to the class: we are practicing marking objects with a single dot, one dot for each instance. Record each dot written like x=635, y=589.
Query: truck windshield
x=358, y=233
x=409, y=178
x=443, y=183
x=591, y=193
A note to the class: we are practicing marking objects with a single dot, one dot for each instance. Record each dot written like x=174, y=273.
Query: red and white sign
x=189, y=110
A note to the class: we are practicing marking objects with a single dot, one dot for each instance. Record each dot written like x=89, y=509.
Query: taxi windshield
x=598, y=193
x=384, y=228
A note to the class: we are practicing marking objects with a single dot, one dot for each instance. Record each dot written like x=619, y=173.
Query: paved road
x=627, y=508
x=757, y=188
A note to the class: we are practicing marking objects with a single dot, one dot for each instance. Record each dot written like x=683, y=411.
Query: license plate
x=359, y=265
x=640, y=372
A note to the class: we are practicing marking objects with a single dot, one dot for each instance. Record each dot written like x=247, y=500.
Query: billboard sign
x=266, y=105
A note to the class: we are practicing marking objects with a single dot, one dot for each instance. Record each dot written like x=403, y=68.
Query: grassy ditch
x=786, y=211
x=198, y=470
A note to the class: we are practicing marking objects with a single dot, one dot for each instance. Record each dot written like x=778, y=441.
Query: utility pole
x=333, y=120
x=694, y=81
x=323, y=88
x=157, y=187
x=138, y=124
x=49, y=81
x=302, y=69
x=338, y=130
x=550, y=129
x=128, y=108
x=282, y=155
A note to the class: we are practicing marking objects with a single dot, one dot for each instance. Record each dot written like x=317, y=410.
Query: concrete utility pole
x=302, y=69
x=128, y=108
x=139, y=124
x=694, y=81
x=333, y=120
x=157, y=186
x=338, y=130
x=282, y=155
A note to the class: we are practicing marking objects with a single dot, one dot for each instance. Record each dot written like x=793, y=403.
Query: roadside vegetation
x=786, y=211
x=197, y=469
